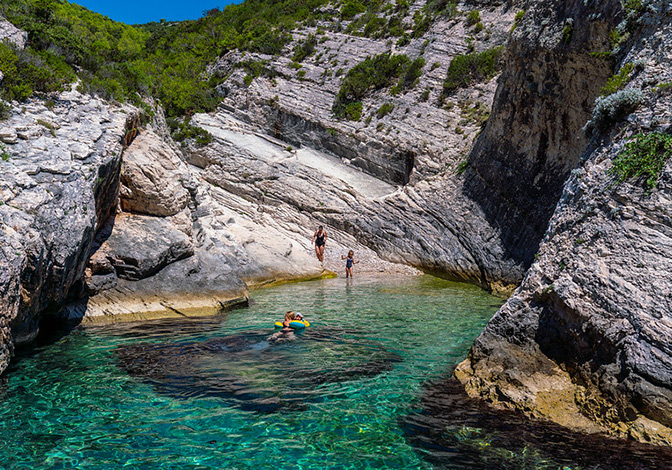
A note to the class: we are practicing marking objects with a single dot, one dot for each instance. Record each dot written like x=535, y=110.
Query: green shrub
x=3, y=153
x=660, y=88
x=618, y=81
x=305, y=48
x=184, y=130
x=374, y=73
x=473, y=17
x=446, y=8
x=421, y=23
x=164, y=60
x=353, y=111
x=374, y=27
x=351, y=8
x=613, y=108
x=517, y=20
x=384, y=110
x=410, y=75
x=633, y=7
x=5, y=110
x=47, y=125
x=28, y=71
x=475, y=112
x=644, y=157
x=404, y=40
x=568, y=31
x=475, y=67
x=479, y=27
x=605, y=55
x=462, y=166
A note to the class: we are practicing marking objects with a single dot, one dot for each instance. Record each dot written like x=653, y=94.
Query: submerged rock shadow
x=455, y=432
x=255, y=374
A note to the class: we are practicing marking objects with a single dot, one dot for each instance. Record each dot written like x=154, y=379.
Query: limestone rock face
x=415, y=140
x=9, y=32
x=140, y=246
x=192, y=262
x=586, y=338
x=56, y=184
x=427, y=221
x=533, y=138
x=150, y=178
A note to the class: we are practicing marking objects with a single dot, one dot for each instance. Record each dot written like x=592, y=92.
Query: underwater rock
x=254, y=371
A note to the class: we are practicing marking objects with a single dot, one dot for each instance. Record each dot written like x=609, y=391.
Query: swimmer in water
x=286, y=333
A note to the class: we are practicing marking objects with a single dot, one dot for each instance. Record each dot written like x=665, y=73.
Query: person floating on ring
x=320, y=240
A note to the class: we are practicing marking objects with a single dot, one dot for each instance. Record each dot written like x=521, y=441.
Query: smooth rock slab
x=140, y=246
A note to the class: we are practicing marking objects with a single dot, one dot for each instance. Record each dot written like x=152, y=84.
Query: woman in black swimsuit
x=320, y=239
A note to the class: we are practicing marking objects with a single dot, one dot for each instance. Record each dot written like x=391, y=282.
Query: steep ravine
x=98, y=225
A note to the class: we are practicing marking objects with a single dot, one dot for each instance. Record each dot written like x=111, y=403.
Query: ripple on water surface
x=351, y=391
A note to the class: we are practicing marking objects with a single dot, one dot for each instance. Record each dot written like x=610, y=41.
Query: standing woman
x=320, y=239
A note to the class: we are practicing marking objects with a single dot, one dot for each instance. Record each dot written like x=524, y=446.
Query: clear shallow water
x=352, y=391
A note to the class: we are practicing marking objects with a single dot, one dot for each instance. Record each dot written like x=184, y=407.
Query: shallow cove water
x=355, y=390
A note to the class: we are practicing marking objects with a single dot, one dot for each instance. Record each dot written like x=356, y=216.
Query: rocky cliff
x=585, y=340
x=54, y=194
x=428, y=220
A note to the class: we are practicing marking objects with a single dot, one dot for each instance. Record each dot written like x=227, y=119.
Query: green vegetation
x=5, y=110
x=611, y=109
x=474, y=112
x=644, y=156
x=632, y=7
x=606, y=55
x=517, y=19
x=568, y=31
x=384, y=110
x=473, y=17
x=166, y=61
x=28, y=71
x=409, y=77
x=353, y=111
x=3, y=153
x=616, y=38
x=467, y=69
x=663, y=87
x=182, y=131
x=618, y=81
x=48, y=125
x=305, y=48
x=121, y=62
x=374, y=73
x=462, y=166
x=350, y=8
x=446, y=8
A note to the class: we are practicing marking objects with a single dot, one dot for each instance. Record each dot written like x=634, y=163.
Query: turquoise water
x=352, y=391
x=331, y=395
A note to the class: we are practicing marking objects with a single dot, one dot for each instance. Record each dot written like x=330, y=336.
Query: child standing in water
x=350, y=260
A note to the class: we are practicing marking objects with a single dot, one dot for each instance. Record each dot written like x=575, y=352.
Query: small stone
x=8, y=136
